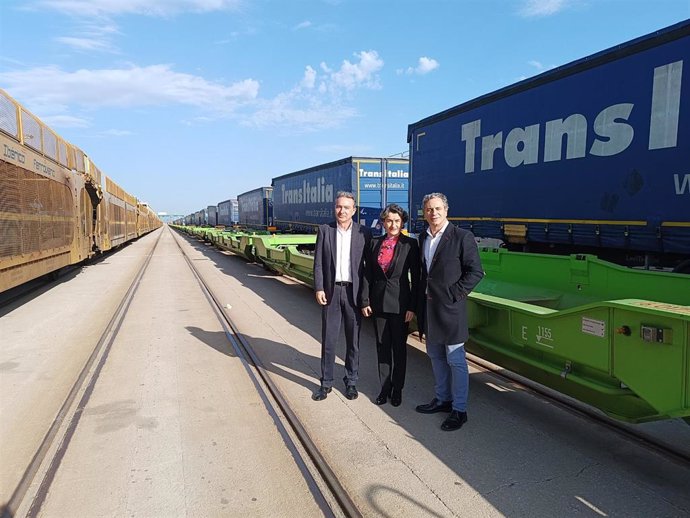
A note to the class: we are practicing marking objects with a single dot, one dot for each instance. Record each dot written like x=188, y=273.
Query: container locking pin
x=567, y=370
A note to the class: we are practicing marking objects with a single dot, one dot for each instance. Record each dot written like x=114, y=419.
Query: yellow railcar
x=53, y=209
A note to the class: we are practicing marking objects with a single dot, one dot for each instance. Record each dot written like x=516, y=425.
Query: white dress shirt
x=431, y=244
x=342, y=254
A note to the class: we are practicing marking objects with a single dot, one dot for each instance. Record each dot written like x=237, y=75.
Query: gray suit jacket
x=324, y=258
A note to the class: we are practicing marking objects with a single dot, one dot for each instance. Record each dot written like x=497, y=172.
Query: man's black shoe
x=396, y=397
x=321, y=393
x=351, y=392
x=454, y=421
x=435, y=406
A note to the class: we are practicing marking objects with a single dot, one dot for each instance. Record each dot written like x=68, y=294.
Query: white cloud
x=117, y=133
x=541, y=67
x=125, y=87
x=85, y=43
x=304, y=25
x=321, y=98
x=540, y=8
x=424, y=66
x=309, y=78
x=92, y=37
x=66, y=121
x=355, y=75
x=91, y=8
x=285, y=110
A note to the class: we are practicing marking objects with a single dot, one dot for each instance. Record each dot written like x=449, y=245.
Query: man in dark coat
x=338, y=271
x=451, y=268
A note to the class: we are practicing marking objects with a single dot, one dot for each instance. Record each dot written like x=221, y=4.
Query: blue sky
x=186, y=103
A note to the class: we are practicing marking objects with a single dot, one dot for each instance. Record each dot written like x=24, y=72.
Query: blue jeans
x=451, y=374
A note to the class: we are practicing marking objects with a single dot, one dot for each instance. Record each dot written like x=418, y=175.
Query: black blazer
x=455, y=270
x=394, y=291
x=324, y=257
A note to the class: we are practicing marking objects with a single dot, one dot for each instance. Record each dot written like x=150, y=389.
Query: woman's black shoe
x=396, y=397
x=384, y=394
x=382, y=397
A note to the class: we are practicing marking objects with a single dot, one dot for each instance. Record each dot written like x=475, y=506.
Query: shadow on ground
x=511, y=452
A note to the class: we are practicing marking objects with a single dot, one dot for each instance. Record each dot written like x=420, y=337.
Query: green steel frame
x=613, y=337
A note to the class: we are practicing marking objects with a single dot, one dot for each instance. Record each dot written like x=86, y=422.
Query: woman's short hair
x=395, y=209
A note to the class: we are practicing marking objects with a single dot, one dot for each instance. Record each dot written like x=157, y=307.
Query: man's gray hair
x=346, y=194
x=438, y=195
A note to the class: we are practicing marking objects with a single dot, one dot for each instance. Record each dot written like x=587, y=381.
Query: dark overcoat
x=396, y=290
x=324, y=258
x=455, y=270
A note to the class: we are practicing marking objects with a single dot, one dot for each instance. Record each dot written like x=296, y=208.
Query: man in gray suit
x=338, y=269
x=451, y=268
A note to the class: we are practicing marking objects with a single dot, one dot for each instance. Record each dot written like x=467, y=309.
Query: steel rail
x=85, y=382
x=246, y=351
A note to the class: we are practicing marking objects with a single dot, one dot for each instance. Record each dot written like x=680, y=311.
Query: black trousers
x=340, y=312
x=391, y=347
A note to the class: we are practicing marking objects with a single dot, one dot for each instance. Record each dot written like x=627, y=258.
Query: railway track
x=625, y=430
x=34, y=287
x=329, y=493
x=322, y=484
x=31, y=493
x=48, y=456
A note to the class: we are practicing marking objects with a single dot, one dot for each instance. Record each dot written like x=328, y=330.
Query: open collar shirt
x=431, y=244
x=342, y=259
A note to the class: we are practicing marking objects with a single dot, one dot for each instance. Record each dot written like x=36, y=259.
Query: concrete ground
x=174, y=429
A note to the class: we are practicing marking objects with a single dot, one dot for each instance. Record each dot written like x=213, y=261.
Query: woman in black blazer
x=389, y=293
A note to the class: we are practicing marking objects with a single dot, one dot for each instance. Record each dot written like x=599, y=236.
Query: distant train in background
x=588, y=159
x=302, y=200
x=592, y=157
x=56, y=207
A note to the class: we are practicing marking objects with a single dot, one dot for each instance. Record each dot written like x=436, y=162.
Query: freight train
x=302, y=200
x=590, y=157
x=56, y=207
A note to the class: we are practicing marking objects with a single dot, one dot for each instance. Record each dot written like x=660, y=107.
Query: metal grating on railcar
x=36, y=213
x=10, y=226
x=8, y=116
x=31, y=129
x=79, y=157
x=50, y=144
x=62, y=153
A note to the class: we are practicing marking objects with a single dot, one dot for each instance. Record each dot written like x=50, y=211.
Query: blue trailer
x=593, y=156
x=227, y=212
x=255, y=208
x=212, y=215
x=304, y=199
x=201, y=218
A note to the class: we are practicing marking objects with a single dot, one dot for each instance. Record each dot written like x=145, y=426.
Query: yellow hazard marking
x=675, y=308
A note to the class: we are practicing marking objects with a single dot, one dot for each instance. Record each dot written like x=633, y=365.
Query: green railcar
x=613, y=337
